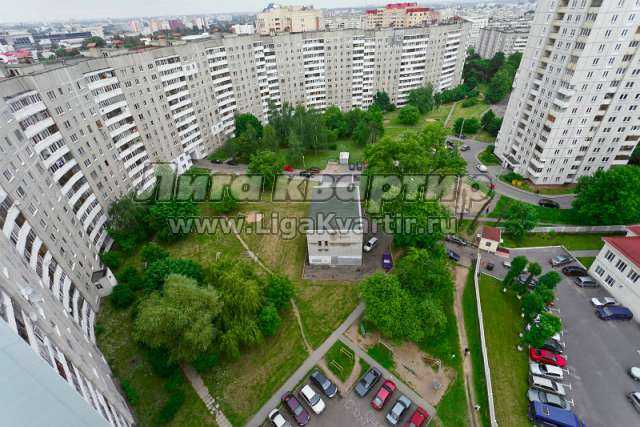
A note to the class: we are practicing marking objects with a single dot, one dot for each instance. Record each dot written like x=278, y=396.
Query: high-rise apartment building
x=277, y=19
x=477, y=22
x=400, y=15
x=507, y=39
x=76, y=137
x=573, y=109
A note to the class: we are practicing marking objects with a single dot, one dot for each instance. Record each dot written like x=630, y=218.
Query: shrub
x=171, y=407
x=206, y=361
x=122, y=296
x=269, y=320
x=159, y=270
x=151, y=252
x=469, y=102
x=512, y=176
x=131, y=394
x=408, y=115
x=333, y=146
x=131, y=277
x=279, y=290
x=160, y=364
x=112, y=259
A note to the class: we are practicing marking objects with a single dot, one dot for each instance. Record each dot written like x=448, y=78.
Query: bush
x=279, y=291
x=512, y=176
x=160, y=364
x=469, y=102
x=130, y=393
x=152, y=252
x=122, y=297
x=159, y=270
x=171, y=407
x=226, y=205
x=206, y=361
x=131, y=277
x=112, y=259
x=408, y=115
x=269, y=320
x=466, y=126
x=333, y=146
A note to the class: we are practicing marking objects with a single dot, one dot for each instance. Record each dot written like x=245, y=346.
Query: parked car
x=546, y=415
x=312, y=398
x=352, y=166
x=385, y=392
x=231, y=162
x=398, y=409
x=574, y=270
x=547, y=371
x=371, y=243
x=288, y=168
x=547, y=385
x=634, y=372
x=603, y=301
x=614, y=312
x=560, y=260
x=323, y=383
x=524, y=277
x=634, y=398
x=548, y=203
x=454, y=256
x=482, y=168
x=547, y=357
x=277, y=419
x=367, y=382
x=455, y=239
x=387, y=261
x=419, y=418
x=216, y=161
x=305, y=174
x=585, y=282
x=553, y=346
x=535, y=395
x=506, y=264
x=465, y=148
x=359, y=166
x=314, y=170
x=296, y=409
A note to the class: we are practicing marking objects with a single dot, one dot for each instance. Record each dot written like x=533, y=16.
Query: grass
x=129, y=364
x=383, y=355
x=509, y=367
x=320, y=158
x=472, y=328
x=364, y=366
x=570, y=241
x=487, y=157
x=394, y=130
x=553, y=190
x=340, y=360
x=545, y=215
x=474, y=111
x=323, y=307
x=586, y=260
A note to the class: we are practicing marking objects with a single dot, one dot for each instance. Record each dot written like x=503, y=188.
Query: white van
x=546, y=384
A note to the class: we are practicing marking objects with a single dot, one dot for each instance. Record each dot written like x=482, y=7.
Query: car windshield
x=298, y=409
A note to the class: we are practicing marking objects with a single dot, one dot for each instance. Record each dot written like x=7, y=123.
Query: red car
x=385, y=392
x=418, y=419
x=547, y=357
x=288, y=168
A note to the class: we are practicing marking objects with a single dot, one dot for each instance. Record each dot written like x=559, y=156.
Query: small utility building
x=334, y=236
x=490, y=239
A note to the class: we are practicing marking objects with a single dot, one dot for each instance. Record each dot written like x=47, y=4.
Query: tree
x=335, y=120
x=549, y=280
x=226, y=204
x=519, y=219
x=422, y=99
x=547, y=326
x=121, y=296
x=269, y=138
x=246, y=120
x=245, y=144
x=179, y=320
x=128, y=223
x=518, y=264
x=269, y=320
x=268, y=165
x=295, y=152
x=532, y=305
x=98, y=41
x=467, y=126
x=279, y=290
x=152, y=252
x=112, y=259
x=382, y=101
x=162, y=212
x=597, y=204
x=157, y=272
x=409, y=115
x=534, y=270
x=425, y=273
x=487, y=118
x=131, y=277
x=370, y=127
x=424, y=232
x=433, y=319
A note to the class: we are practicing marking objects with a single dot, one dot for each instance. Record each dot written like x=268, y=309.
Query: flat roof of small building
x=491, y=233
x=336, y=202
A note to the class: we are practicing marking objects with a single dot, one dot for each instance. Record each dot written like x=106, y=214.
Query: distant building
x=176, y=24
x=344, y=22
x=617, y=268
x=243, y=29
x=336, y=235
x=506, y=39
x=135, y=26
x=288, y=19
x=400, y=15
x=477, y=22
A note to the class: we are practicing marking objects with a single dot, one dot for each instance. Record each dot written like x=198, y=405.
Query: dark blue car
x=614, y=312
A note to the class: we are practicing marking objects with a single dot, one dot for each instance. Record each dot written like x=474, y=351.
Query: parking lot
x=599, y=353
x=351, y=410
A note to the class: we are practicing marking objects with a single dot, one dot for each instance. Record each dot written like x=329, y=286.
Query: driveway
x=599, y=353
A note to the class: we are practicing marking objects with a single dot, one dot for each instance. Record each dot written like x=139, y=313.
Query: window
x=621, y=265
x=633, y=276
x=609, y=280
x=609, y=256
x=599, y=271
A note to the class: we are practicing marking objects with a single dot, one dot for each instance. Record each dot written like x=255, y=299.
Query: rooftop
x=628, y=246
x=634, y=229
x=491, y=233
x=335, y=207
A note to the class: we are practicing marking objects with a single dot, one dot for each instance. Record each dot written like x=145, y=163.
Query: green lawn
x=340, y=360
x=472, y=328
x=383, y=355
x=475, y=111
x=543, y=190
x=586, y=260
x=509, y=367
x=568, y=240
x=320, y=158
x=545, y=215
x=129, y=364
x=393, y=129
x=487, y=157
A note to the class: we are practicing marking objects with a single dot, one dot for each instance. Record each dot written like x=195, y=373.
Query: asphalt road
x=599, y=353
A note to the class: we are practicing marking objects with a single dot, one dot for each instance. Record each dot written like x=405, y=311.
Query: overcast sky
x=56, y=10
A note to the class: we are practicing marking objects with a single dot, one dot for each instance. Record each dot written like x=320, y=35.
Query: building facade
x=505, y=39
x=617, y=269
x=573, y=107
x=400, y=15
x=277, y=19
x=477, y=22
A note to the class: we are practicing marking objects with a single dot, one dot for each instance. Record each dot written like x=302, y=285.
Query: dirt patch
x=468, y=200
x=414, y=367
x=253, y=217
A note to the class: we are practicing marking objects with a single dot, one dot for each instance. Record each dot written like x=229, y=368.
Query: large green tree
x=609, y=197
x=547, y=326
x=382, y=101
x=246, y=120
x=425, y=273
x=519, y=219
x=179, y=320
x=156, y=273
x=408, y=115
x=161, y=213
x=268, y=165
x=128, y=223
x=422, y=99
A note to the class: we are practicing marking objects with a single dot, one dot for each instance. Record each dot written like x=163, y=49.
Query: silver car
x=535, y=395
x=397, y=411
x=634, y=398
x=603, y=302
x=547, y=371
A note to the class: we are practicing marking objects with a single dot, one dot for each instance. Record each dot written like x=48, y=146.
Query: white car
x=482, y=168
x=277, y=419
x=547, y=371
x=371, y=243
x=634, y=373
x=603, y=302
x=312, y=398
